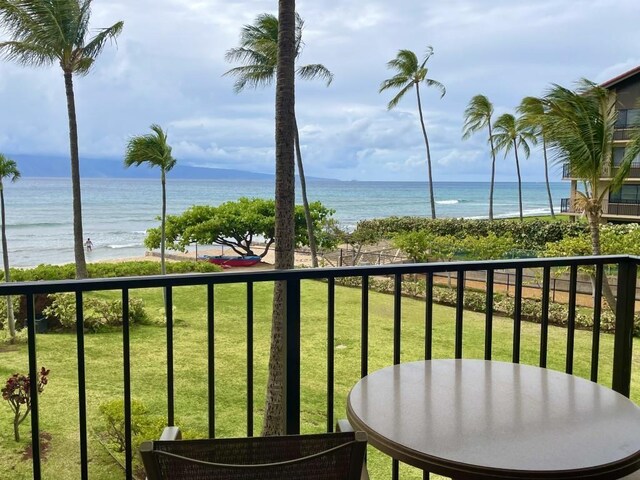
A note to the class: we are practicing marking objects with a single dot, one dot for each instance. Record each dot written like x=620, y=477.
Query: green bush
x=144, y=426
x=98, y=313
x=528, y=235
x=109, y=270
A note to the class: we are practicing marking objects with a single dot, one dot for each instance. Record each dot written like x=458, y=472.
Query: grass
x=59, y=404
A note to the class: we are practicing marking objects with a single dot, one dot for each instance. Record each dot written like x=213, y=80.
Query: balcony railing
x=627, y=209
x=565, y=205
x=296, y=283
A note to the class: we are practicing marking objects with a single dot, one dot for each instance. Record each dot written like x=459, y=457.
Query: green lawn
x=59, y=403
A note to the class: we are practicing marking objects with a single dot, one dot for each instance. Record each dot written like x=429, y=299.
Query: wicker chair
x=327, y=456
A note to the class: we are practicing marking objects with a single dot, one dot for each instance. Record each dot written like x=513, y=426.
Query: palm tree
x=275, y=402
x=8, y=169
x=410, y=73
x=46, y=32
x=510, y=134
x=152, y=149
x=477, y=116
x=258, y=52
x=531, y=112
x=580, y=126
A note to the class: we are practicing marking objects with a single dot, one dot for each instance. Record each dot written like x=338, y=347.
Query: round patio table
x=494, y=420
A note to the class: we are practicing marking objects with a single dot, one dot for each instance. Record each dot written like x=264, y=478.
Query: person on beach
x=88, y=244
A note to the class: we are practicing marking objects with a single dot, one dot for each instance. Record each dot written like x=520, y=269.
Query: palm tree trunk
x=305, y=202
x=594, y=230
x=163, y=236
x=426, y=142
x=493, y=171
x=546, y=175
x=5, y=259
x=275, y=402
x=515, y=148
x=78, y=247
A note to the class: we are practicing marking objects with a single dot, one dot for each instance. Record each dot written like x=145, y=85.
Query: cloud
x=168, y=64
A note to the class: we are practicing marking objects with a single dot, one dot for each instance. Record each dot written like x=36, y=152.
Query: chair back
x=327, y=456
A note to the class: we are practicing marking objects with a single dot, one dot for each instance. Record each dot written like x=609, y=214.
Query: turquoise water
x=117, y=212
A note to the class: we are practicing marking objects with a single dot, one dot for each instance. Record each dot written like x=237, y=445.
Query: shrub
x=17, y=391
x=98, y=313
x=144, y=426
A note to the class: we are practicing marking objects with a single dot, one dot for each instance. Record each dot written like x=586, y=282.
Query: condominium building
x=623, y=205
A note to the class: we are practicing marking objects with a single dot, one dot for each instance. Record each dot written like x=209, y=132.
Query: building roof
x=622, y=77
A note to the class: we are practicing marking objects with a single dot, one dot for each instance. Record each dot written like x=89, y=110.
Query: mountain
x=40, y=166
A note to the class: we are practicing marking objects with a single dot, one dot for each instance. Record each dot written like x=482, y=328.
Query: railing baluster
x=82, y=389
x=33, y=393
x=597, y=310
x=517, y=315
x=459, y=312
x=488, y=316
x=292, y=352
x=249, y=359
x=126, y=360
x=397, y=317
x=544, y=321
x=428, y=318
x=211, y=362
x=168, y=309
x=364, y=327
x=571, y=318
x=331, y=310
x=623, y=338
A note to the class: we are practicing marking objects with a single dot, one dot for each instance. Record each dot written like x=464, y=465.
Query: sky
x=168, y=65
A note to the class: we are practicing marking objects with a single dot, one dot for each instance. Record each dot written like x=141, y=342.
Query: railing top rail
x=178, y=280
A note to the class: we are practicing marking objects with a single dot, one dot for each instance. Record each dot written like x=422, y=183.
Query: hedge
x=530, y=235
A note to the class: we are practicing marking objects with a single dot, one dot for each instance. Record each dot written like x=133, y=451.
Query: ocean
x=117, y=212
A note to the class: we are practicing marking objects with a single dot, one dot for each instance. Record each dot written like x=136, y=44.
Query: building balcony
x=209, y=354
x=623, y=209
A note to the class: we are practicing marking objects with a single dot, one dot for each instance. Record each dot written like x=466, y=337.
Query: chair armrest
x=171, y=433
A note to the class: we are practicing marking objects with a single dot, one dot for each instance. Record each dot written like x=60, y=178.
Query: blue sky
x=168, y=64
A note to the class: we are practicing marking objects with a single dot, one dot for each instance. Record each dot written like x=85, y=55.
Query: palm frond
x=434, y=83
x=504, y=133
x=26, y=54
x=252, y=76
x=395, y=100
x=477, y=115
x=313, y=71
x=151, y=149
x=97, y=43
x=398, y=81
x=8, y=169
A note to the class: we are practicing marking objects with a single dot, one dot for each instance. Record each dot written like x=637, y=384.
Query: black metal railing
x=565, y=205
x=622, y=208
x=566, y=170
x=624, y=266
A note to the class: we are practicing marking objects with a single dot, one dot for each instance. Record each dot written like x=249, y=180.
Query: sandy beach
x=302, y=259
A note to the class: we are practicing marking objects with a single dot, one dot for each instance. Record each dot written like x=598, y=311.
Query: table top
x=487, y=419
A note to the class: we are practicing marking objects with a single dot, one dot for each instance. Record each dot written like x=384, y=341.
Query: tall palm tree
x=275, y=403
x=531, y=111
x=509, y=134
x=258, y=52
x=46, y=32
x=580, y=125
x=412, y=73
x=477, y=116
x=8, y=170
x=153, y=150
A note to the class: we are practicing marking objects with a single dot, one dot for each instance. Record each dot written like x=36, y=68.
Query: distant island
x=91, y=167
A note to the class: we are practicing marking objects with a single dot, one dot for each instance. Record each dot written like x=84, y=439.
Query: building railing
x=627, y=209
x=624, y=266
x=565, y=205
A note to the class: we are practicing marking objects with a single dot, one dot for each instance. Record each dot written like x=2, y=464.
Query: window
x=628, y=118
x=618, y=155
x=626, y=194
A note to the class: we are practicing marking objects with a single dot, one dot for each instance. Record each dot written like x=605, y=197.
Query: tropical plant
x=153, y=150
x=17, y=392
x=258, y=52
x=477, y=116
x=8, y=170
x=531, y=111
x=46, y=32
x=412, y=73
x=275, y=402
x=580, y=125
x=511, y=134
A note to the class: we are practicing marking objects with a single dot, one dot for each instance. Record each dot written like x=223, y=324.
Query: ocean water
x=117, y=212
